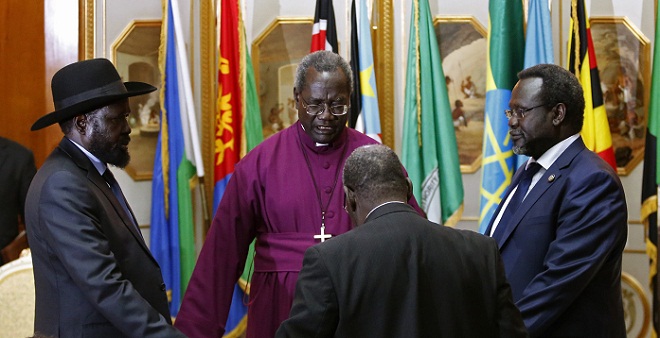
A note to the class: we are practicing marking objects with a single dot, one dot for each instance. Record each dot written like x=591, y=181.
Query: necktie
x=516, y=199
x=110, y=178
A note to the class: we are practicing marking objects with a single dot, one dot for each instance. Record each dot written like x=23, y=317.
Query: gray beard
x=519, y=150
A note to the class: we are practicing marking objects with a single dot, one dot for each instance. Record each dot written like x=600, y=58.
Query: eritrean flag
x=237, y=130
x=582, y=62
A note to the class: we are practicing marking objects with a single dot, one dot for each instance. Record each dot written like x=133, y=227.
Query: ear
x=351, y=204
x=410, y=189
x=558, y=114
x=295, y=94
x=80, y=123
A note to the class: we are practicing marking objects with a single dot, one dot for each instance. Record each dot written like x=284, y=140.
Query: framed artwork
x=623, y=58
x=135, y=54
x=276, y=53
x=131, y=43
x=463, y=49
x=636, y=308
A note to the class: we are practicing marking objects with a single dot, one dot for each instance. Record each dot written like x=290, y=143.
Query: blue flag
x=365, y=116
x=538, y=42
x=172, y=239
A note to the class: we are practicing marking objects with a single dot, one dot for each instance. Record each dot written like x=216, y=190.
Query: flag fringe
x=455, y=217
x=650, y=206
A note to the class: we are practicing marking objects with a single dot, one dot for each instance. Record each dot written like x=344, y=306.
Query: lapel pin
x=551, y=178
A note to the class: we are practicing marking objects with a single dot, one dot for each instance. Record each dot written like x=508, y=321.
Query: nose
x=127, y=126
x=326, y=114
x=513, y=121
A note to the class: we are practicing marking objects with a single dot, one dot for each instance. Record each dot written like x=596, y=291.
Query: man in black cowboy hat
x=94, y=275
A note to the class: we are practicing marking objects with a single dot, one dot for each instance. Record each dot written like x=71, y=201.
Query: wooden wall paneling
x=61, y=49
x=22, y=69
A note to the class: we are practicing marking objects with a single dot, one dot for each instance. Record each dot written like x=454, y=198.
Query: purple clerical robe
x=271, y=196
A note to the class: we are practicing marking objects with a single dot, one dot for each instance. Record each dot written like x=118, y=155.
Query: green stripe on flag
x=507, y=41
x=186, y=221
x=429, y=151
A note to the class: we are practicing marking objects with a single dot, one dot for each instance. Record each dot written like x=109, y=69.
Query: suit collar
x=550, y=177
x=388, y=208
x=93, y=175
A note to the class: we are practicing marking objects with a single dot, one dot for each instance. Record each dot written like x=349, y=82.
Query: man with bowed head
x=287, y=194
x=562, y=225
x=93, y=273
x=397, y=274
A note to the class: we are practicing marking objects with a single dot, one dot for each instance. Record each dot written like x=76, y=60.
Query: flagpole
x=190, y=109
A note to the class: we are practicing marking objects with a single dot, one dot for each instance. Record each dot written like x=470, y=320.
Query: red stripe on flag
x=229, y=105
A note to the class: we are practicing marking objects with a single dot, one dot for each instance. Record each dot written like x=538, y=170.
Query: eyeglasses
x=519, y=113
x=318, y=109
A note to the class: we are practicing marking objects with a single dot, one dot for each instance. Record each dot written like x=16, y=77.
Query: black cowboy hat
x=87, y=85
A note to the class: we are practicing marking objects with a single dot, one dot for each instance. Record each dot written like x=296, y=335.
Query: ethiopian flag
x=505, y=59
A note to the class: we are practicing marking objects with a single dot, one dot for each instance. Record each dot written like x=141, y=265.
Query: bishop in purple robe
x=287, y=193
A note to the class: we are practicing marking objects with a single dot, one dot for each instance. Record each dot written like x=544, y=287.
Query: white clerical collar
x=317, y=144
x=378, y=206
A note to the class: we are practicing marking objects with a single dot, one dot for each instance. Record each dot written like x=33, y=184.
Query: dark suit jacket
x=399, y=275
x=94, y=275
x=16, y=171
x=562, y=252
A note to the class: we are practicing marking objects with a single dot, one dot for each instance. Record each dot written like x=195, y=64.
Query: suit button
x=162, y=286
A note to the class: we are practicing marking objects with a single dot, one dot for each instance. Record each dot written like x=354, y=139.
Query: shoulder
x=268, y=148
x=14, y=148
x=588, y=165
x=357, y=138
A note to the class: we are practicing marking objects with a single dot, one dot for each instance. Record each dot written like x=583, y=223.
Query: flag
x=364, y=116
x=237, y=130
x=582, y=62
x=538, y=42
x=429, y=150
x=324, y=31
x=172, y=236
x=505, y=60
x=651, y=180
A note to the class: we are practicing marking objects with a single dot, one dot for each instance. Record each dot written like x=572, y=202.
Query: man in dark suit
x=94, y=275
x=397, y=274
x=16, y=171
x=562, y=245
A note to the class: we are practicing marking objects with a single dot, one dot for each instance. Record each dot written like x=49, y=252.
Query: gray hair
x=374, y=171
x=322, y=61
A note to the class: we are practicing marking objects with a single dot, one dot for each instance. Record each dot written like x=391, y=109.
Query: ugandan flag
x=582, y=63
x=650, y=181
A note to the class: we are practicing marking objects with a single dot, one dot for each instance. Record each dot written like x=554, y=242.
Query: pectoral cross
x=323, y=236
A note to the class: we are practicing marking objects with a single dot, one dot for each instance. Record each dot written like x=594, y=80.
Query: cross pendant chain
x=323, y=236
